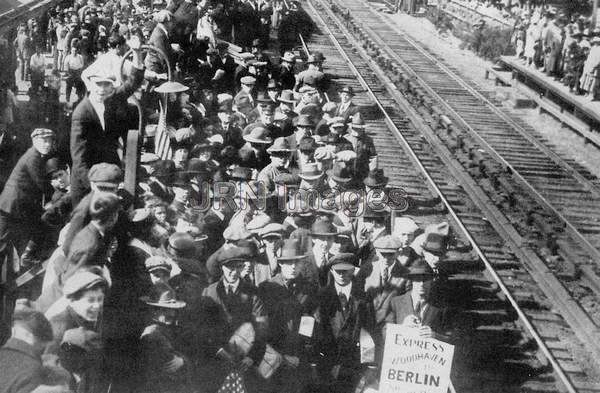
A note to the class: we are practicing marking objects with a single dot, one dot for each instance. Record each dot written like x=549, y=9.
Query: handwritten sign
x=412, y=364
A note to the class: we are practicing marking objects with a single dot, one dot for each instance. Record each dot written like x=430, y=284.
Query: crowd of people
x=567, y=49
x=262, y=249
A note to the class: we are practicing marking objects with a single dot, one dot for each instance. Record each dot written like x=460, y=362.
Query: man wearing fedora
x=163, y=364
x=312, y=76
x=290, y=300
x=304, y=128
x=339, y=177
x=279, y=154
x=346, y=108
x=419, y=308
x=229, y=304
x=287, y=103
x=322, y=233
x=284, y=73
x=254, y=152
x=344, y=309
x=313, y=181
x=363, y=146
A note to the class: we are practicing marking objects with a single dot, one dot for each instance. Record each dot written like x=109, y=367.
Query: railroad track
x=560, y=185
x=510, y=337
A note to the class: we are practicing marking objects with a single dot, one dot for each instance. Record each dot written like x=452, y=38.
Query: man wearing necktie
x=419, y=308
x=290, y=301
x=229, y=304
x=343, y=310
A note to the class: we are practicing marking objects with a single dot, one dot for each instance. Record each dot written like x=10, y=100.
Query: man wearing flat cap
x=21, y=199
x=230, y=304
x=290, y=299
x=99, y=121
x=103, y=178
x=343, y=311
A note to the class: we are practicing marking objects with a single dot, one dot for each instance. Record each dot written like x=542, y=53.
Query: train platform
x=578, y=112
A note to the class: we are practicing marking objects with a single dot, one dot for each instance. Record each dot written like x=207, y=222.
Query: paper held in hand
x=412, y=364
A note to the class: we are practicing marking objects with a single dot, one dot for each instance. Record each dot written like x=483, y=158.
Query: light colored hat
x=80, y=281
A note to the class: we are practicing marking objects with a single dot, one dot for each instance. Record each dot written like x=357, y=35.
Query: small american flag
x=162, y=146
x=234, y=383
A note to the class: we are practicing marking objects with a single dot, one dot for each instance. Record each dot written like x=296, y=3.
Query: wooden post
x=594, y=14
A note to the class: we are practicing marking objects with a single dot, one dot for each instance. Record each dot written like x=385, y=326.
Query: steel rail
x=522, y=316
x=572, y=229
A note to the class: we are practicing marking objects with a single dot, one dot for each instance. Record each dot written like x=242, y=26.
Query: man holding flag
x=100, y=120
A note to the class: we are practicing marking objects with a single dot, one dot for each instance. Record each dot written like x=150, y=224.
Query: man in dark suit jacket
x=231, y=303
x=346, y=108
x=91, y=245
x=344, y=310
x=418, y=308
x=383, y=277
x=160, y=39
x=289, y=298
x=99, y=121
x=21, y=199
x=21, y=369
